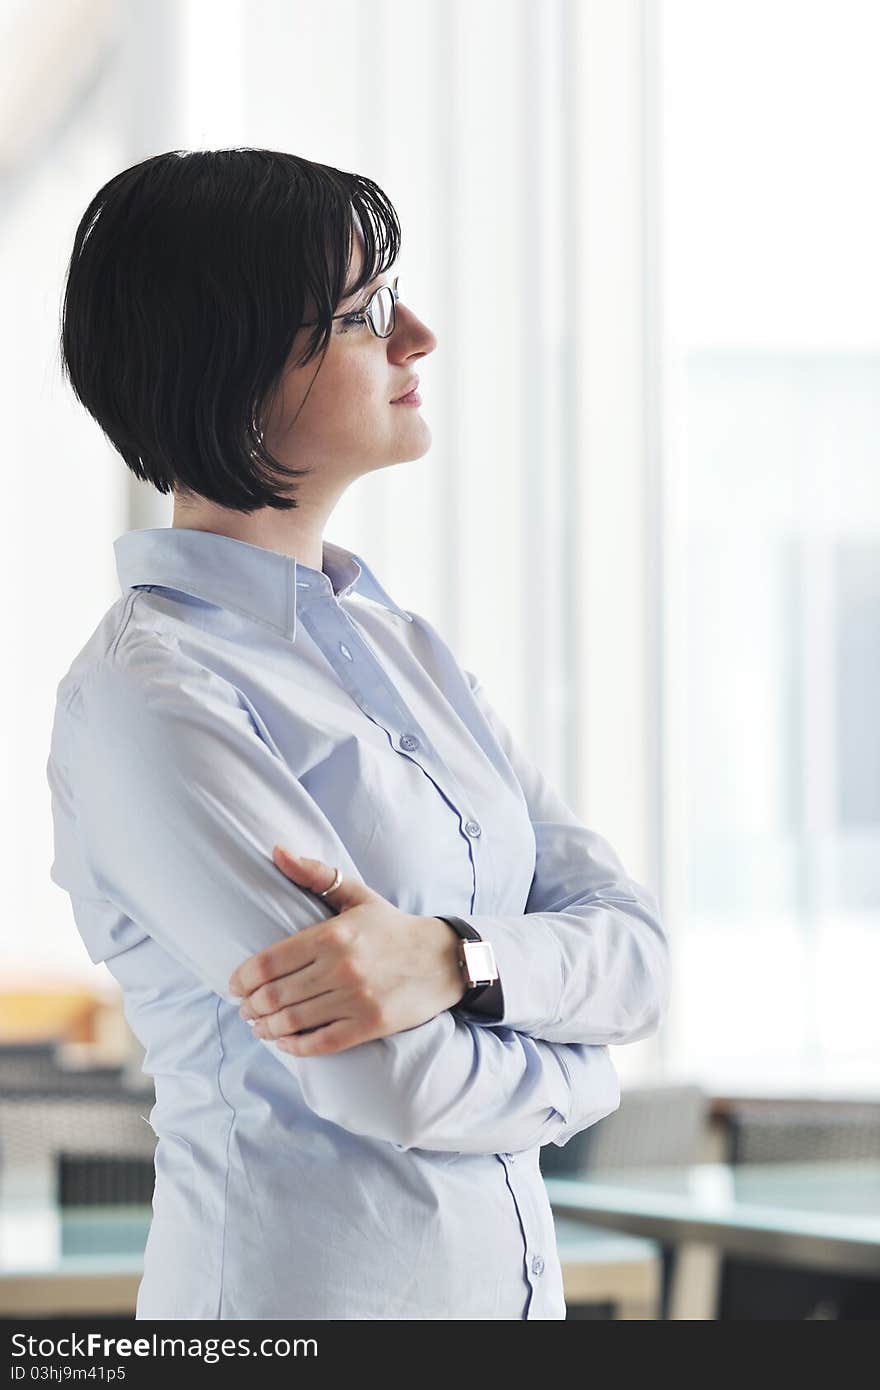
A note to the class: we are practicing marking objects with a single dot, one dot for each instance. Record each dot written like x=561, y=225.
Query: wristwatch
x=476, y=960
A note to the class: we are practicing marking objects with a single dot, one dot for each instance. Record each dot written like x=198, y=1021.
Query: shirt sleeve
x=588, y=963
x=179, y=800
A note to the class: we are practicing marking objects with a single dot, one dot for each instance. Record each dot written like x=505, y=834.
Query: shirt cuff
x=529, y=961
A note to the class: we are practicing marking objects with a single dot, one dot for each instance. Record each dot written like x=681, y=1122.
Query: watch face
x=480, y=960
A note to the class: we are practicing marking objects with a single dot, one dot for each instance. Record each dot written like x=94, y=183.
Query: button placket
x=320, y=629
x=534, y=1228
x=407, y=742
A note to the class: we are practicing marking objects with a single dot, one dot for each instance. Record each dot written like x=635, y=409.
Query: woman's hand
x=370, y=971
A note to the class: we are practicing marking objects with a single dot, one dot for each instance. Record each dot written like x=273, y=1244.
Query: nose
x=414, y=328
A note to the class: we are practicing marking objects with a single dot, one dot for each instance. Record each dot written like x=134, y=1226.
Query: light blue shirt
x=233, y=699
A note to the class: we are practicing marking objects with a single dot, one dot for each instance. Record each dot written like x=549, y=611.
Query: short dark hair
x=191, y=274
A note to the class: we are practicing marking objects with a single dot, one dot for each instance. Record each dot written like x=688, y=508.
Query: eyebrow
x=366, y=289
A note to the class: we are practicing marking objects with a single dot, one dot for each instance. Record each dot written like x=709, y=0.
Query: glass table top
x=839, y=1199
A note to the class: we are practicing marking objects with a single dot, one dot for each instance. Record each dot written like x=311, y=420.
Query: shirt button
x=345, y=652
x=409, y=741
x=537, y=1265
x=473, y=828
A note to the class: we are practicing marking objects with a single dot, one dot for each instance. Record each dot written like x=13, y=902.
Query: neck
x=298, y=533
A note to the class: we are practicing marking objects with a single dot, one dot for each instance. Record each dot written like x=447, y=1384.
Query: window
x=772, y=664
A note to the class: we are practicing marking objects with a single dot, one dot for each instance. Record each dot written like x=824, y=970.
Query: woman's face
x=341, y=422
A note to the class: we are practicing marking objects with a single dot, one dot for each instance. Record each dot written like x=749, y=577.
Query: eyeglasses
x=378, y=313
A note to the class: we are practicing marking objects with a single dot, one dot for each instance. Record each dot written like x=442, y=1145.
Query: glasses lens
x=382, y=310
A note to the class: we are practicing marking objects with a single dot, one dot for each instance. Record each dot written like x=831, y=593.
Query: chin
x=405, y=451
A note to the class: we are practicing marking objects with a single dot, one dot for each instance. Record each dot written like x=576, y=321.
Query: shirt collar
x=259, y=583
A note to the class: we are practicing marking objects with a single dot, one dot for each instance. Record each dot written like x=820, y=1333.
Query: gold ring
x=333, y=886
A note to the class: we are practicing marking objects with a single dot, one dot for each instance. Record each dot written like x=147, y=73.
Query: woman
x=350, y=1100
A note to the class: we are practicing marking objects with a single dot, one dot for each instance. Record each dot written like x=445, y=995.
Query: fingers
x=336, y=1037
x=285, y=990
x=283, y=957
x=312, y=873
x=340, y=891
x=308, y=1013
x=299, y=950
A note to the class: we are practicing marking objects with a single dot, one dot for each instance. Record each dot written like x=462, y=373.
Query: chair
x=656, y=1126
x=102, y=1179
x=38, y=1122
x=765, y=1133
x=37, y=1065
x=802, y=1134
x=27, y=1064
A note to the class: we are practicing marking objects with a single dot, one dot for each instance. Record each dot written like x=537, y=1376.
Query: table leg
x=695, y=1281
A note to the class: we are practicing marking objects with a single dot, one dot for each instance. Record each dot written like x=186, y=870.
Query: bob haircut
x=190, y=276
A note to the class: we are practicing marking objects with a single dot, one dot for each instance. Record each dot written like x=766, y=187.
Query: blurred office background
x=644, y=232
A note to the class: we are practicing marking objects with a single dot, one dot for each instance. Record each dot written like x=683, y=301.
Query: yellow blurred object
x=48, y=1015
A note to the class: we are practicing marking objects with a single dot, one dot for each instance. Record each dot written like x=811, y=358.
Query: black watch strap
x=467, y=933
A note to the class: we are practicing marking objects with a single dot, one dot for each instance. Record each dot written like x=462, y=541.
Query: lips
x=411, y=387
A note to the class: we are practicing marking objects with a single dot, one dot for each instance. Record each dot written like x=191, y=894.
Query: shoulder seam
x=170, y=643
x=127, y=611
x=126, y=618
